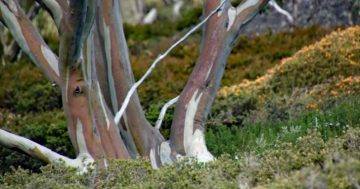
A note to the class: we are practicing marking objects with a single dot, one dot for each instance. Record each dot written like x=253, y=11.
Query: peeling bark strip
x=95, y=76
x=29, y=39
x=82, y=97
x=139, y=135
x=160, y=58
x=219, y=35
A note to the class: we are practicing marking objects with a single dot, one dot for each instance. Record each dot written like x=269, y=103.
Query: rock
x=325, y=13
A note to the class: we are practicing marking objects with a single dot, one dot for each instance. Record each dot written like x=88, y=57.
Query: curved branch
x=55, y=8
x=159, y=59
x=36, y=150
x=281, y=11
x=163, y=111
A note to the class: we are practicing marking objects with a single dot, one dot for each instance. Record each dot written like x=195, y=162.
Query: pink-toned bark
x=119, y=77
x=29, y=38
x=94, y=73
x=219, y=36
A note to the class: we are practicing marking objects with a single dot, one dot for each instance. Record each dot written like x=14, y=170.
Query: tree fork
x=94, y=73
x=219, y=36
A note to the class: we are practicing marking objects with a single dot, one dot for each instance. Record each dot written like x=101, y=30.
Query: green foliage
x=24, y=89
x=308, y=162
x=272, y=138
x=313, y=79
x=162, y=28
x=259, y=137
x=250, y=58
x=221, y=114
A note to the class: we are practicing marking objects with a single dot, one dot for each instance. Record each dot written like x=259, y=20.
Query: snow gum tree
x=93, y=71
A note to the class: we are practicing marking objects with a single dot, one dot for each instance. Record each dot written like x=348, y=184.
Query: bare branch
x=36, y=150
x=281, y=11
x=159, y=59
x=163, y=111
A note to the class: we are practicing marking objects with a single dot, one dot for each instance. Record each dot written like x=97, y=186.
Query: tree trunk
x=94, y=74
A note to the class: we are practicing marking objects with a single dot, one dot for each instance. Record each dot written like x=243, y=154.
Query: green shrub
x=309, y=162
x=250, y=58
x=258, y=137
x=24, y=89
x=314, y=78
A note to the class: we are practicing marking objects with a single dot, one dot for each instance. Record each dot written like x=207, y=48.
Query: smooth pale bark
x=56, y=8
x=82, y=97
x=219, y=36
x=138, y=134
x=11, y=51
x=29, y=39
x=27, y=146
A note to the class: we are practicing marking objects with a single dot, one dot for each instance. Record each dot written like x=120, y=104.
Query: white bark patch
x=194, y=142
x=165, y=153
x=208, y=72
x=89, y=58
x=153, y=159
x=12, y=6
x=102, y=103
x=177, y=6
x=199, y=149
x=158, y=60
x=67, y=81
x=222, y=3
x=150, y=17
x=231, y=16
x=51, y=59
x=55, y=9
x=80, y=137
x=107, y=44
x=105, y=163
